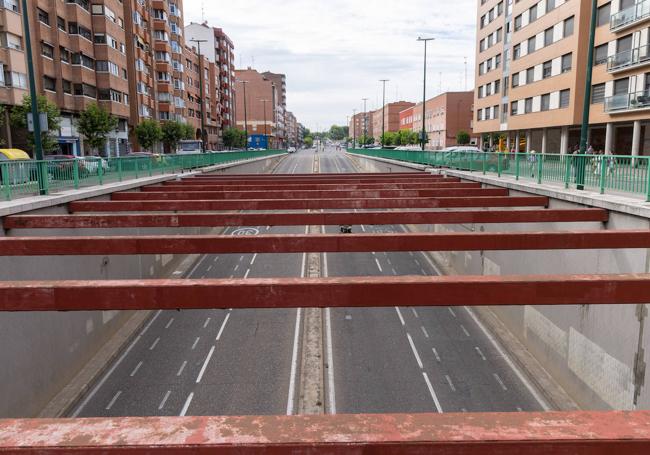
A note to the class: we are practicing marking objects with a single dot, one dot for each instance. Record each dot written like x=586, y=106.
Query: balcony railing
x=629, y=16
x=629, y=59
x=628, y=102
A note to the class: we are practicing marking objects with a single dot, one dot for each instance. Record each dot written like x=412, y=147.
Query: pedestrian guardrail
x=603, y=173
x=31, y=177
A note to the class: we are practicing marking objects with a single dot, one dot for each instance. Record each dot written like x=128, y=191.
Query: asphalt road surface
x=247, y=362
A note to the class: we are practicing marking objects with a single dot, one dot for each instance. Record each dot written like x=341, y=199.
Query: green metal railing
x=603, y=173
x=21, y=178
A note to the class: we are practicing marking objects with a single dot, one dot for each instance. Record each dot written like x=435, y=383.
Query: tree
x=234, y=138
x=188, y=132
x=391, y=138
x=18, y=119
x=462, y=138
x=338, y=133
x=95, y=123
x=148, y=133
x=309, y=141
x=366, y=140
x=172, y=134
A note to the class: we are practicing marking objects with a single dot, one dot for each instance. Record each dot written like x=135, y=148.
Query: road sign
x=43, y=122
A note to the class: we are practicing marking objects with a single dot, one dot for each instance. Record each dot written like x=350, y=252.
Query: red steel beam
x=306, y=204
x=575, y=433
x=355, y=243
x=174, y=186
x=184, y=195
x=302, y=219
x=381, y=291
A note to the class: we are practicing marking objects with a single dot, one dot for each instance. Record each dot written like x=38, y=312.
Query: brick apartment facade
x=406, y=119
x=360, y=123
x=531, y=66
x=129, y=56
x=391, y=120
x=445, y=116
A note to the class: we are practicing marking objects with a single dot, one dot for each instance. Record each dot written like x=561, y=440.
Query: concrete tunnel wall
x=40, y=352
x=589, y=350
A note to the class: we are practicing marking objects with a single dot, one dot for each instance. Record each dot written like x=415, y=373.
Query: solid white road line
x=432, y=392
x=480, y=353
x=294, y=364
x=195, y=343
x=399, y=314
x=415, y=351
x=189, y=275
x=544, y=405
x=424, y=330
x=437, y=356
x=110, y=405
x=223, y=326
x=135, y=370
x=164, y=400
x=207, y=321
x=169, y=324
x=205, y=365
x=186, y=405
x=155, y=343
x=500, y=381
x=150, y=322
x=180, y=371
x=330, y=362
x=379, y=265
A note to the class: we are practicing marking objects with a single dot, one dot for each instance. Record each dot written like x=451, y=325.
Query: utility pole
x=423, y=137
x=365, y=119
x=245, y=112
x=204, y=133
x=354, y=129
x=584, y=130
x=383, y=112
x=266, y=136
x=38, y=140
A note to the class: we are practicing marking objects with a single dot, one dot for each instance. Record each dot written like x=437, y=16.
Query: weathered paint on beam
x=576, y=433
x=303, y=219
x=177, y=186
x=324, y=292
x=298, y=243
x=306, y=204
x=185, y=195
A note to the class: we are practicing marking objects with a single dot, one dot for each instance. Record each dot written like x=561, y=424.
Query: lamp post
x=245, y=112
x=266, y=136
x=204, y=135
x=423, y=134
x=365, y=120
x=354, y=129
x=383, y=111
x=38, y=141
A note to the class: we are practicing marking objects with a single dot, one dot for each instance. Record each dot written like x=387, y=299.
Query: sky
x=334, y=52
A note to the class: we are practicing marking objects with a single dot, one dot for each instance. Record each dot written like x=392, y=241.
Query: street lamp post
x=245, y=112
x=383, y=112
x=423, y=134
x=354, y=129
x=38, y=141
x=365, y=120
x=266, y=136
x=204, y=135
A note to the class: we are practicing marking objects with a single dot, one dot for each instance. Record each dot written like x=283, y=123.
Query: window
x=67, y=87
x=545, y=102
x=568, y=27
x=598, y=94
x=548, y=36
x=479, y=115
x=603, y=15
x=497, y=86
x=531, y=44
x=514, y=107
x=533, y=13
x=550, y=5
x=43, y=16
x=621, y=86
x=528, y=105
x=530, y=75
x=60, y=23
x=547, y=69
x=49, y=83
x=600, y=54
x=515, y=80
x=517, y=22
x=47, y=50
x=564, y=98
x=567, y=62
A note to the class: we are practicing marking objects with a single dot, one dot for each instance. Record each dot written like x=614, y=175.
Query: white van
x=189, y=147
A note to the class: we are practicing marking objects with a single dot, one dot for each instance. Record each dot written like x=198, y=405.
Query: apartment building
x=280, y=83
x=406, y=119
x=531, y=67
x=445, y=116
x=361, y=124
x=391, y=120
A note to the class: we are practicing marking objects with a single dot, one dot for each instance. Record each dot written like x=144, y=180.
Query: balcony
x=630, y=59
x=627, y=102
x=630, y=16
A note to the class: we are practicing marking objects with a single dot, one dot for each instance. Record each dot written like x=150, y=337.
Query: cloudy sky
x=335, y=51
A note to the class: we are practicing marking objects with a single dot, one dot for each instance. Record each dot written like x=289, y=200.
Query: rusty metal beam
x=302, y=219
x=306, y=204
x=324, y=292
x=575, y=433
x=354, y=243
x=185, y=195
x=175, y=186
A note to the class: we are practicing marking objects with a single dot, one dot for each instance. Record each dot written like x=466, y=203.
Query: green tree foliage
x=234, y=138
x=172, y=134
x=365, y=140
x=462, y=138
x=188, y=132
x=309, y=141
x=338, y=133
x=148, y=133
x=18, y=117
x=391, y=138
x=96, y=123
x=408, y=137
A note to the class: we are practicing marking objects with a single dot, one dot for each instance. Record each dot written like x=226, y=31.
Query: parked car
x=291, y=150
x=92, y=163
x=61, y=167
x=21, y=169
